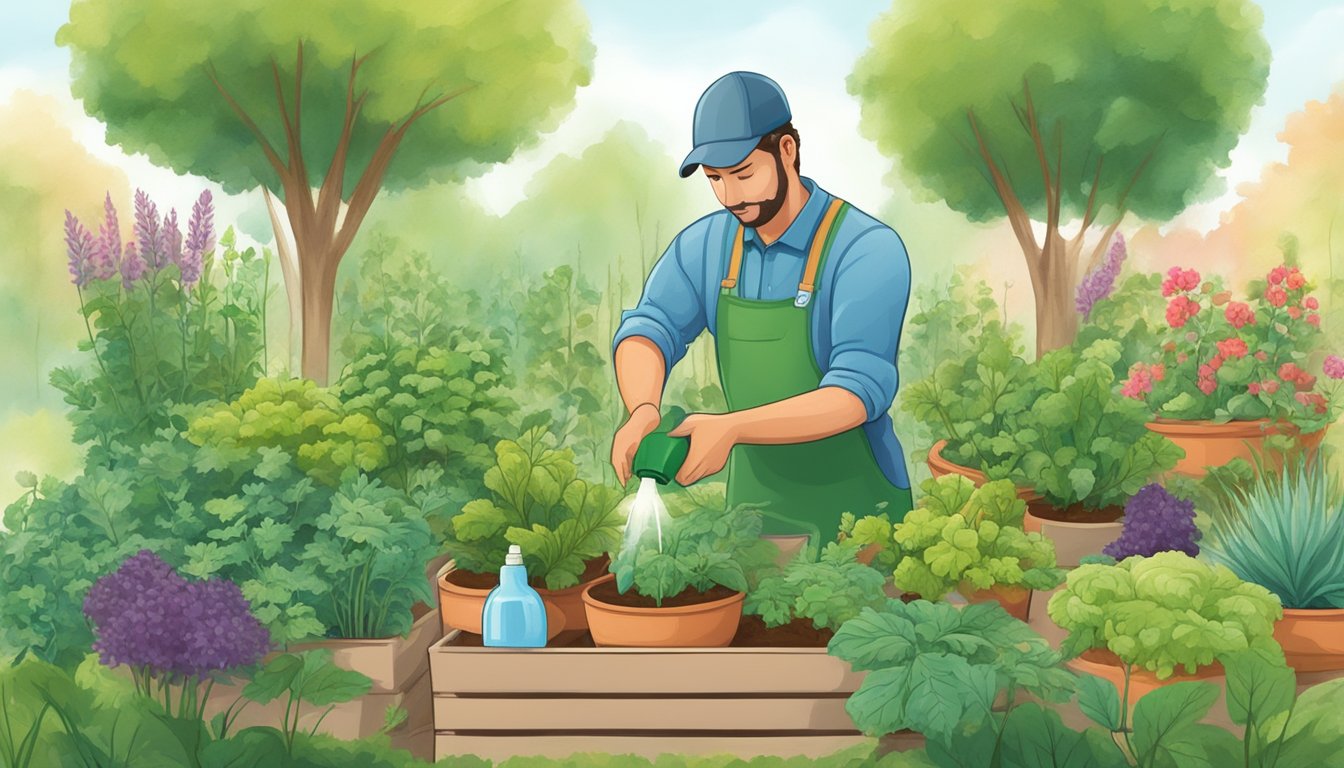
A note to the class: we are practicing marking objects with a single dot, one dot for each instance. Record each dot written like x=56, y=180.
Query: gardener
x=804, y=295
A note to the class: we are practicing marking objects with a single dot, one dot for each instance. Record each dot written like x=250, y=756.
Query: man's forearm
x=800, y=419
x=640, y=372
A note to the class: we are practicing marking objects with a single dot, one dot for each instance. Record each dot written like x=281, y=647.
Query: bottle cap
x=515, y=555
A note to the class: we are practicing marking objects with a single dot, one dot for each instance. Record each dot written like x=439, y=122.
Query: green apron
x=765, y=355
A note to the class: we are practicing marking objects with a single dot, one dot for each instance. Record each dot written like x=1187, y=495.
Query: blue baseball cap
x=731, y=117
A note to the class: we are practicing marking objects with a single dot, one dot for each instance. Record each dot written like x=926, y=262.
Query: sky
x=654, y=59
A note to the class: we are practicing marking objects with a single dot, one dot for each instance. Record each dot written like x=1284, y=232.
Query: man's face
x=754, y=189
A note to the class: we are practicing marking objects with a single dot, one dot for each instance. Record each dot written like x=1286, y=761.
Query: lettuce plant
x=959, y=533
x=872, y=531
x=538, y=502
x=698, y=550
x=935, y=668
x=1163, y=612
x=1284, y=531
x=827, y=593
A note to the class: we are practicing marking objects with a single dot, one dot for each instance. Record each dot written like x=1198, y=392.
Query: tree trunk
x=1055, y=284
x=289, y=270
x=319, y=290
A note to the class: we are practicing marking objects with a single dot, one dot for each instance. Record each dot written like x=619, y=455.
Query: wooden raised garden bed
x=746, y=701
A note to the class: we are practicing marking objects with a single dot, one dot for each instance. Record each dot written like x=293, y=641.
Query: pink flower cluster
x=1180, y=310
x=1179, y=280
x=1239, y=314
x=1333, y=367
x=1141, y=378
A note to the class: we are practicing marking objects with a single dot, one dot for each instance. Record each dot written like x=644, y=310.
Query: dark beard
x=768, y=207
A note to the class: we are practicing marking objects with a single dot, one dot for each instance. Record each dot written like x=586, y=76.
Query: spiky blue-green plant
x=1284, y=531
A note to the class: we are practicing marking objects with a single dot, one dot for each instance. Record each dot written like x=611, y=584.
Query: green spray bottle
x=660, y=455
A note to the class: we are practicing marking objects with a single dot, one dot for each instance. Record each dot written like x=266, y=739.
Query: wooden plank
x=634, y=713
x=733, y=671
x=561, y=746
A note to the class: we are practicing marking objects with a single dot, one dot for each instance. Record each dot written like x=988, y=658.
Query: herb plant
x=308, y=677
x=539, y=503
x=1163, y=612
x=172, y=633
x=699, y=550
x=1284, y=531
x=1156, y=521
x=961, y=536
x=935, y=668
x=827, y=593
x=871, y=533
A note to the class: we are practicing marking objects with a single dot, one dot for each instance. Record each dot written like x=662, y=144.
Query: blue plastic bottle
x=514, y=615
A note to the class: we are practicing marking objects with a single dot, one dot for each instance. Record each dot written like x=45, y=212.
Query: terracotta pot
x=569, y=601
x=941, y=467
x=1104, y=664
x=1207, y=444
x=461, y=607
x=705, y=625
x=1015, y=600
x=1312, y=639
x=1073, y=538
x=869, y=553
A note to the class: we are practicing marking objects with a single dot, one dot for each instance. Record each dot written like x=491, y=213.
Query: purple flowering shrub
x=1156, y=521
x=164, y=325
x=171, y=631
x=1100, y=282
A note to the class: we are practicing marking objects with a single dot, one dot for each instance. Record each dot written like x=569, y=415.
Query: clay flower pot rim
x=936, y=461
x=1233, y=428
x=1117, y=524
x=449, y=568
x=1313, y=613
x=681, y=610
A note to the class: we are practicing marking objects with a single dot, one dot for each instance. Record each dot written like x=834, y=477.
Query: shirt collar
x=799, y=234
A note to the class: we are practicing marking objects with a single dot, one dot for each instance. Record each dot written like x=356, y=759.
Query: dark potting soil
x=1075, y=513
x=799, y=633
x=607, y=593
x=592, y=569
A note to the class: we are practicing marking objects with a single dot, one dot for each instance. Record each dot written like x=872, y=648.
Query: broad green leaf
x=1163, y=717
x=1100, y=701
x=1258, y=687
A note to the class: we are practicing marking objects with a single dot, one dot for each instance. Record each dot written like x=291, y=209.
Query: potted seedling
x=810, y=600
x=1227, y=378
x=1285, y=532
x=682, y=585
x=970, y=540
x=565, y=526
x=1148, y=621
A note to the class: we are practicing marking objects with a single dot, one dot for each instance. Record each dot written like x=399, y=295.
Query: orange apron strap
x=735, y=261
x=809, y=281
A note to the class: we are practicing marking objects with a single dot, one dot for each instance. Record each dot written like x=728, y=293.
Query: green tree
x=1056, y=114
x=326, y=106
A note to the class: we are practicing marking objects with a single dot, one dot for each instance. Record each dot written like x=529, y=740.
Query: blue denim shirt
x=856, y=313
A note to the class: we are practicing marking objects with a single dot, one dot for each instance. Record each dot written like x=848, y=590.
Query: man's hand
x=643, y=420
x=713, y=436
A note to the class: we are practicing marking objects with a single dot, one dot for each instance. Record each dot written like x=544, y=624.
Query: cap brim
x=719, y=154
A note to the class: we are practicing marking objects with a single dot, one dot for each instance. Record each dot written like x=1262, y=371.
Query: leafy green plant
x=539, y=503
x=873, y=535
x=295, y=415
x=698, y=550
x=935, y=668
x=1283, y=531
x=1163, y=612
x=308, y=677
x=827, y=593
x=961, y=536
x=428, y=366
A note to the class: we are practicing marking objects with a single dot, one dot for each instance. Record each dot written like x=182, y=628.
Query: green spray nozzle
x=660, y=455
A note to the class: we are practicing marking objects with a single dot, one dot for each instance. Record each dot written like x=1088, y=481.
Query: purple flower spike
x=1099, y=283
x=79, y=249
x=172, y=239
x=148, y=232
x=1156, y=521
x=200, y=237
x=132, y=266
x=106, y=256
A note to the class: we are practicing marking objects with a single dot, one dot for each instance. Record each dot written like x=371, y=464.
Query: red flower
x=1314, y=319
x=1278, y=275
x=1239, y=314
x=1271, y=386
x=1295, y=280
x=1179, y=310
x=1290, y=372
x=1311, y=303
x=1253, y=387
x=1261, y=355
x=1276, y=296
x=1295, y=312
x=1314, y=400
x=1180, y=280
x=1216, y=362
x=1159, y=372
x=1232, y=347
x=1207, y=385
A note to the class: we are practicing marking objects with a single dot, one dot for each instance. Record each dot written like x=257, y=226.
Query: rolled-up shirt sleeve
x=671, y=312
x=871, y=292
